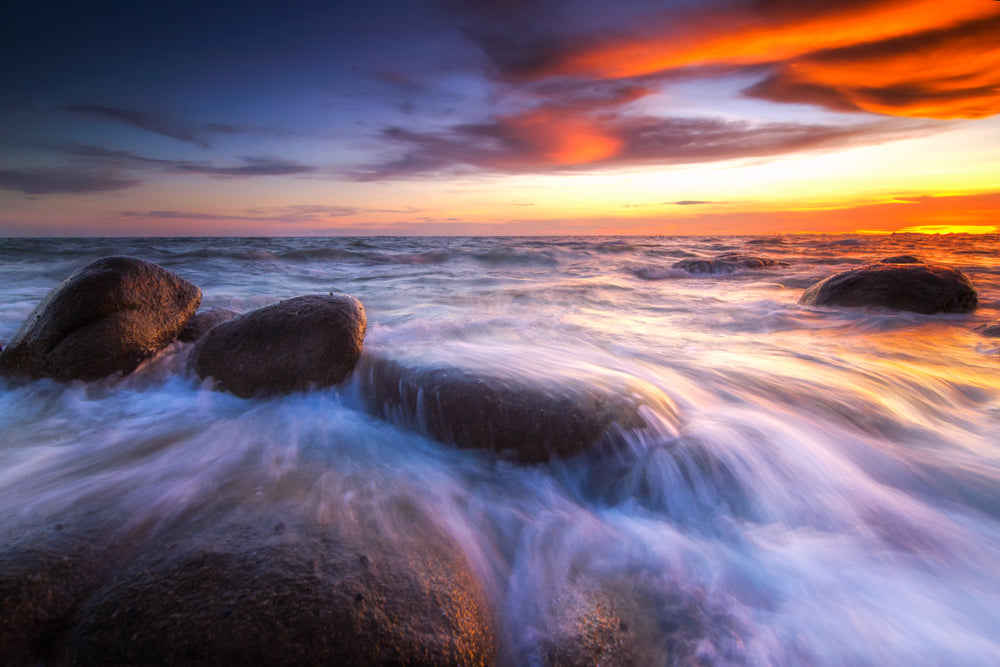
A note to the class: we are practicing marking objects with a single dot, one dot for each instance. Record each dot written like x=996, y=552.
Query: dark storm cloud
x=61, y=181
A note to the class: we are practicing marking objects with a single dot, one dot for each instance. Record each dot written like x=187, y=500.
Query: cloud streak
x=917, y=58
x=189, y=133
x=61, y=181
x=554, y=140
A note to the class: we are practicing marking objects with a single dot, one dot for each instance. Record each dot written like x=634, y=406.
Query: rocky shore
x=237, y=587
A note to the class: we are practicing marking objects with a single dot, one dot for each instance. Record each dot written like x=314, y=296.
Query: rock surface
x=204, y=320
x=921, y=288
x=992, y=329
x=106, y=318
x=724, y=264
x=295, y=595
x=288, y=346
x=47, y=570
x=477, y=410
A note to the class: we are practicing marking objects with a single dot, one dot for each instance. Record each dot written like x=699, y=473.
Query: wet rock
x=614, y=621
x=204, y=320
x=106, y=318
x=533, y=422
x=921, y=288
x=288, y=346
x=242, y=595
x=724, y=264
x=901, y=259
x=47, y=571
x=991, y=329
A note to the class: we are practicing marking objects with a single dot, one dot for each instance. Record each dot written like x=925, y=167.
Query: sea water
x=814, y=485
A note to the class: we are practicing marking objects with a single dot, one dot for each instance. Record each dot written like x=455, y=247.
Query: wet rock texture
x=899, y=284
x=104, y=319
x=288, y=596
x=47, y=569
x=532, y=423
x=724, y=264
x=204, y=320
x=292, y=345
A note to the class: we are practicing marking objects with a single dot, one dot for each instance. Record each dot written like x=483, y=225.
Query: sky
x=512, y=117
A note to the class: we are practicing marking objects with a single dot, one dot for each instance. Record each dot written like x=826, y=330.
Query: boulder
x=724, y=264
x=106, y=318
x=204, y=320
x=264, y=593
x=288, y=346
x=917, y=287
x=48, y=569
x=901, y=259
x=533, y=422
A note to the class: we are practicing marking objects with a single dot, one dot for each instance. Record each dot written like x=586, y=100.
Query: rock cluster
x=724, y=264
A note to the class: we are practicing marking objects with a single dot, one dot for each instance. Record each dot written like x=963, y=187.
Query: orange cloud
x=919, y=58
x=750, y=38
x=560, y=140
x=952, y=73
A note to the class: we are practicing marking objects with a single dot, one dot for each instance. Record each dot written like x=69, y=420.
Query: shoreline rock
x=291, y=345
x=725, y=264
x=477, y=410
x=202, y=321
x=898, y=285
x=267, y=593
x=106, y=318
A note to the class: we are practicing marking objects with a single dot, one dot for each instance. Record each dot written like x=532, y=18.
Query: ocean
x=811, y=486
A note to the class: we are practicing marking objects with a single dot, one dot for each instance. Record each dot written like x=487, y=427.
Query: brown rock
x=301, y=595
x=106, y=318
x=288, y=346
x=724, y=264
x=921, y=288
x=47, y=570
x=204, y=320
x=471, y=409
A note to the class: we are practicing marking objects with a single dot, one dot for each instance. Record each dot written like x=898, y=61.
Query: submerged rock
x=531, y=421
x=610, y=620
x=106, y=318
x=204, y=320
x=724, y=264
x=901, y=259
x=288, y=346
x=921, y=288
x=253, y=594
x=992, y=329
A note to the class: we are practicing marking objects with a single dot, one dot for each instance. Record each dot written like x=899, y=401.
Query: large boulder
x=288, y=346
x=917, y=287
x=48, y=568
x=724, y=264
x=204, y=320
x=530, y=421
x=106, y=318
x=267, y=593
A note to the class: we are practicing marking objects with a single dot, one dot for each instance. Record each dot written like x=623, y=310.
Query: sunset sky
x=506, y=117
